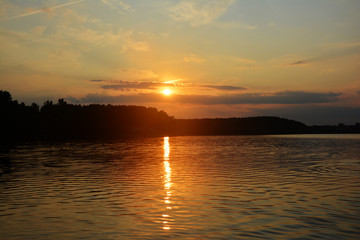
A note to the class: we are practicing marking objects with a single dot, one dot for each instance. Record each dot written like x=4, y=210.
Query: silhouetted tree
x=5, y=98
x=34, y=108
x=64, y=121
x=61, y=101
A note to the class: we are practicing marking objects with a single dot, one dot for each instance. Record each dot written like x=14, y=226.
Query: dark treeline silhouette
x=63, y=121
x=340, y=128
x=238, y=126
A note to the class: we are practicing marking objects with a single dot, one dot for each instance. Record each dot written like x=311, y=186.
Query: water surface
x=221, y=187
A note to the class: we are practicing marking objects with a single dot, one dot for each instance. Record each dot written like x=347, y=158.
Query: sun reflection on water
x=167, y=183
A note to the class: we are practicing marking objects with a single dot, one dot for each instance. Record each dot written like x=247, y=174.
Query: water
x=221, y=187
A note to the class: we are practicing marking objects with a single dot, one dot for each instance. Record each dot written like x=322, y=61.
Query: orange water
x=223, y=187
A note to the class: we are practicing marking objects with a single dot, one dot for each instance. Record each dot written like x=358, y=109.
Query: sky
x=219, y=58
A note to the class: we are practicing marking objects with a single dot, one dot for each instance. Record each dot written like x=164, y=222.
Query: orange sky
x=230, y=58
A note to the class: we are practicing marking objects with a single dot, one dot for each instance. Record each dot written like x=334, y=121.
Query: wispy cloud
x=224, y=87
x=199, y=12
x=285, y=97
x=119, y=99
x=118, y=5
x=332, y=51
x=194, y=58
x=127, y=86
x=44, y=10
x=121, y=85
x=152, y=85
x=299, y=62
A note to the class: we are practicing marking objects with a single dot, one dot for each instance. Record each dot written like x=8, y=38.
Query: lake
x=205, y=187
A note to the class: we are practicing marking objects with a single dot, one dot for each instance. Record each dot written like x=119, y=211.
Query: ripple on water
x=231, y=187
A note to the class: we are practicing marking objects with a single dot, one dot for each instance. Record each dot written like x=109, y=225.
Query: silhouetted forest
x=63, y=121
x=60, y=121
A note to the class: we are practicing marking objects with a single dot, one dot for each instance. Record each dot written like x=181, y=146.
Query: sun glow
x=166, y=92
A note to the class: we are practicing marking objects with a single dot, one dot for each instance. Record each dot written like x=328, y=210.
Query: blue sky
x=230, y=58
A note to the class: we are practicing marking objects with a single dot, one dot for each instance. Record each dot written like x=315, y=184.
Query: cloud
x=285, y=97
x=134, y=85
x=131, y=75
x=95, y=80
x=118, y=5
x=142, y=46
x=308, y=114
x=71, y=38
x=138, y=46
x=119, y=99
x=199, y=12
x=194, y=58
x=126, y=86
x=224, y=87
x=299, y=62
x=332, y=51
x=44, y=10
x=151, y=85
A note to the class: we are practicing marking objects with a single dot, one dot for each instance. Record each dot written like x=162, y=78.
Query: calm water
x=233, y=187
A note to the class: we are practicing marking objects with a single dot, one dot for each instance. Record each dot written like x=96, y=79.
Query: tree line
x=64, y=121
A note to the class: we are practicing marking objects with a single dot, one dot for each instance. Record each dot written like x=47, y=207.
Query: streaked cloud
x=207, y=51
x=194, y=58
x=134, y=74
x=44, y=10
x=199, y=12
x=96, y=80
x=138, y=45
x=299, y=62
x=152, y=85
x=121, y=6
x=119, y=99
x=332, y=51
x=224, y=87
x=127, y=86
x=285, y=97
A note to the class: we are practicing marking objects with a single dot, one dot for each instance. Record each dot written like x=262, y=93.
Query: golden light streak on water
x=166, y=148
x=167, y=183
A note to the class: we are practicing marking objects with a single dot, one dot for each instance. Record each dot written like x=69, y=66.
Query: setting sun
x=166, y=92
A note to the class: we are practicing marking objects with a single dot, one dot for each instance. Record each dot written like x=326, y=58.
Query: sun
x=166, y=92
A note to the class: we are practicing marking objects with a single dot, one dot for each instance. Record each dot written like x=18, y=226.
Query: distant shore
x=64, y=121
